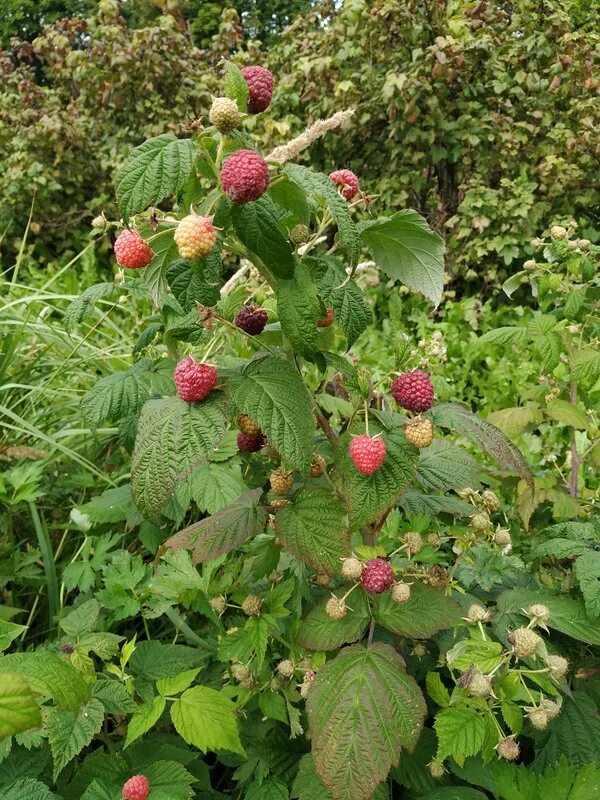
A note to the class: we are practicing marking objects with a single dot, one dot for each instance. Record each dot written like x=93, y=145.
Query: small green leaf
x=513, y=421
x=155, y=274
x=214, y=486
x=9, y=631
x=256, y=225
x=461, y=733
x=85, y=303
x=236, y=87
x=565, y=412
x=486, y=654
x=586, y=365
x=144, y=719
x=206, y=719
x=19, y=709
x=298, y=308
x=288, y=195
x=118, y=395
x=436, y=689
x=267, y=790
x=319, y=632
x=176, y=684
x=194, y=282
x=344, y=296
x=587, y=572
x=27, y=789
x=69, y=733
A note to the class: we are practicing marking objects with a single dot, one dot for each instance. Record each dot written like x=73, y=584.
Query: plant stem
x=49, y=565
x=325, y=426
x=371, y=632
x=575, y=459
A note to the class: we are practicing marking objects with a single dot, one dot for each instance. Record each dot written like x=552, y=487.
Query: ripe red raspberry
x=367, y=454
x=195, y=237
x=347, y=182
x=328, y=319
x=377, y=576
x=250, y=442
x=136, y=788
x=260, y=88
x=194, y=381
x=413, y=390
x=245, y=176
x=251, y=319
x=132, y=251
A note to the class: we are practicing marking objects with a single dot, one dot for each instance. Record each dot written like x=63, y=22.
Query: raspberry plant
x=309, y=550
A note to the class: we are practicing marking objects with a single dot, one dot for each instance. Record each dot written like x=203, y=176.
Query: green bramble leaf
x=28, y=788
x=173, y=438
x=68, y=732
x=586, y=365
x=486, y=654
x=214, y=486
x=362, y=696
x=194, y=282
x=406, y=249
x=114, y=697
x=236, y=87
x=144, y=719
x=319, y=632
x=574, y=734
x=288, y=195
x=257, y=226
x=344, y=296
x=513, y=421
x=504, y=335
x=272, y=392
x=461, y=733
x=153, y=660
x=443, y=466
x=9, y=631
x=155, y=274
x=83, y=305
x=587, y=572
x=565, y=412
x=417, y=503
x=426, y=612
x=436, y=689
x=19, y=708
x=299, y=308
x=227, y=529
x=267, y=790
x=49, y=675
x=158, y=168
x=206, y=719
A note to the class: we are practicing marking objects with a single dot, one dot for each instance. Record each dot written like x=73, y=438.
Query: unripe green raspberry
x=100, y=223
x=480, y=521
x=218, y=604
x=400, y=592
x=539, y=613
x=525, y=642
x=490, y=500
x=475, y=682
x=509, y=749
x=434, y=540
x=502, y=537
x=558, y=232
x=336, y=608
x=252, y=605
x=224, y=114
x=551, y=708
x=477, y=613
x=538, y=718
x=558, y=666
x=300, y=234
x=240, y=672
x=352, y=569
x=436, y=768
x=414, y=542
x=285, y=668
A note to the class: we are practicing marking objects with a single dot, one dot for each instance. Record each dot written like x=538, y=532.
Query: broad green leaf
x=83, y=305
x=194, y=282
x=273, y=706
x=413, y=770
x=461, y=733
x=206, y=719
x=505, y=335
x=50, y=676
x=416, y=503
x=68, y=733
x=227, y=529
x=19, y=709
x=118, y=395
x=176, y=684
x=565, y=412
x=319, y=632
x=256, y=225
x=114, y=697
x=82, y=619
x=28, y=789
x=299, y=308
x=587, y=572
x=486, y=654
x=407, y=250
x=426, y=612
x=443, y=466
x=214, y=486
x=344, y=296
x=9, y=631
x=98, y=790
x=513, y=421
x=368, y=496
x=575, y=733
x=169, y=780
x=288, y=195
x=270, y=789
x=362, y=709
x=155, y=274
x=314, y=528
x=156, y=169
x=144, y=719
x=586, y=365
x=306, y=784
x=559, y=548
x=272, y=392
x=153, y=660
x=436, y=689
x=235, y=86
x=319, y=184
x=173, y=438
x=455, y=793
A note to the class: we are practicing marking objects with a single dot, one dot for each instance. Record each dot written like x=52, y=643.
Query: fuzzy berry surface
x=136, y=788
x=131, y=251
x=194, y=381
x=251, y=319
x=327, y=320
x=377, y=576
x=195, y=237
x=347, y=181
x=260, y=84
x=413, y=390
x=250, y=442
x=245, y=176
x=419, y=432
x=224, y=114
x=367, y=454
x=281, y=481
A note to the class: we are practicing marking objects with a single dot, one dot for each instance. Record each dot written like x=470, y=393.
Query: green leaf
x=118, y=395
x=49, y=675
x=368, y=496
x=443, y=466
x=513, y=421
x=344, y=296
x=314, y=528
x=144, y=719
x=505, y=335
x=153, y=659
x=436, y=689
x=288, y=195
x=114, y=697
x=19, y=710
x=155, y=274
x=413, y=770
x=28, y=789
x=256, y=225
x=298, y=308
x=586, y=365
x=156, y=169
x=214, y=486
x=169, y=780
x=176, y=684
x=407, y=250
x=272, y=392
x=236, y=87
x=306, y=784
x=194, y=282
x=83, y=305
x=426, y=612
x=568, y=414
x=173, y=438
x=362, y=709
x=460, y=731
x=417, y=503
x=587, y=572
x=273, y=706
x=486, y=654
x=267, y=790
x=9, y=631
x=319, y=632
x=206, y=719
x=68, y=733
x=227, y=529
x=575, y=733
x=320, y=184
x=454, y=793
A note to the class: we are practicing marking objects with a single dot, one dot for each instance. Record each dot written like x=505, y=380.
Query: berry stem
x=210, y=348
x=371, y=633
x=367, y=417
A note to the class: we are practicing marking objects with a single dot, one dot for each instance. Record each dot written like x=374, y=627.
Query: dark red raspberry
x=347, y=181
x=251, y=319
x=136, y=788
x=377, y=576
x=131, y=251
x=367, y=454
x=260, y=88
x=250, y=442
x=194, y=381
x=328, y=319
x=245, y=176
x=413, y=390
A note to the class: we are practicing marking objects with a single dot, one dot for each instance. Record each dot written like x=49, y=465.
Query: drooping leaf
x=225, y=530
x=406, y=249
x=19, y=709
x=195, y=282
x=158, y=168
x=345, y=297
x=114, y=697
x=256, y=225
x=288, y=195
x=443, y=466
x=513, y=421
x=9, y=631
x=206, y=719
x=299, y=308
x=79, y=308
x=319, y=632
x=118, y=395
x=50, y=676
x=69, y=732
x=565, y=412
x=363, y=709
x=314, y=528
x=504, y=335
x=155, y=274
x=426, y=612
x=306, y=784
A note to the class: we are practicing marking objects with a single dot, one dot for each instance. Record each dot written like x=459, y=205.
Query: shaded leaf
x=319, y=632
x=426, y=612
x=256, y=225
x=19, y=709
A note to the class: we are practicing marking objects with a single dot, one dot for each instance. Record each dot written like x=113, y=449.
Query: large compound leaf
x=173, y=438
x=28, y=789
x=484, y=434
x=118, y=395
x=407, y=250
x=299, y=308
x=195, y=282
x=575, y=733
x=271, y=391
x=314, y=528
x=19, y=709
x=426, y=612
x=362, y=709
x=319, y=632
x=206, y=718
x=345, y=297
x=443, y=466
x=50, y=676
x=156, y=169
x=368, y=496
x=256, y=225
x=225, y=530
x=68, y=733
